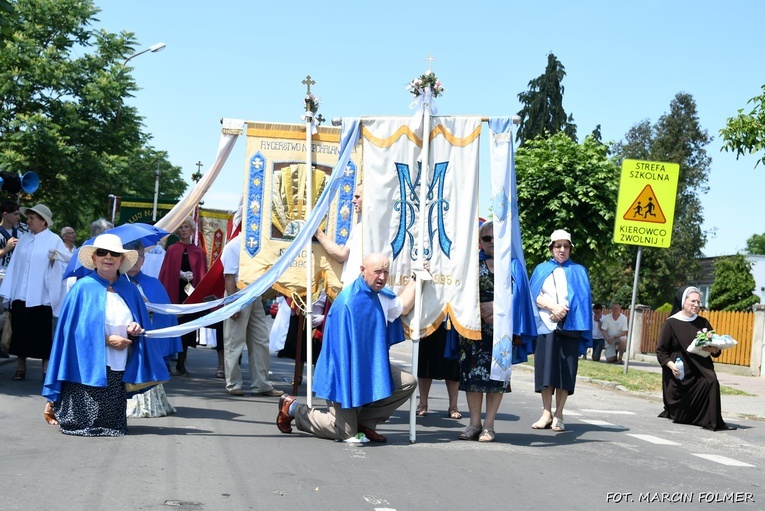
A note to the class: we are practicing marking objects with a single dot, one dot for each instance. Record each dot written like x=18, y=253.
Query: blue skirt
x=556, y=361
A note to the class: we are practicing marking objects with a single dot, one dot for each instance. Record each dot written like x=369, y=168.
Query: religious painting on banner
x=214, y=227
x=392, y=156
x=276, y=194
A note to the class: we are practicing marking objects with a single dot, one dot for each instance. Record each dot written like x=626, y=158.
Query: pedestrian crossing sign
x=646, y=207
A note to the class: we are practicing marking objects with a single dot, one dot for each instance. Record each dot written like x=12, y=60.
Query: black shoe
x=181, y=370
x=4, y=354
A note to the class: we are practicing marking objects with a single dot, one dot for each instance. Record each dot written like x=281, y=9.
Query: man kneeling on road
x=353, y=373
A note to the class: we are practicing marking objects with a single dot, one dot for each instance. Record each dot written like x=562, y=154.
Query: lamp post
x=154, y=49
x=156, y=194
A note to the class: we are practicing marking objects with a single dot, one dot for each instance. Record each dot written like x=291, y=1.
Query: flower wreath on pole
x=425, y=88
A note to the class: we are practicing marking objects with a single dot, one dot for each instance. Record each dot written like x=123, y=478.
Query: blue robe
x=354, y=368
x=524, y=321
x=79, y=346
x=579, y=317
x=155, y=292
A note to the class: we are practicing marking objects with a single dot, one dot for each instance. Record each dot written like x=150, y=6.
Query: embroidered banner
x=276, y=195
x=392, y=207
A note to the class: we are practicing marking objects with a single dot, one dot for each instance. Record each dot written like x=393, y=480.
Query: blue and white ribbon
x=242, y=298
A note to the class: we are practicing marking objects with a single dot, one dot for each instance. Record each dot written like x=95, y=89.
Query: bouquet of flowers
x=708, y=337
x=703, y=337
x=427, y=79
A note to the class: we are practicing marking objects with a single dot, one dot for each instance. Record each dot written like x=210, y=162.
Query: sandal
x=422, y=411
x=50, y=417
x=542, y=423
x=454, y=413
x=557, y=424
x=471, y=433
x=487, y=435
x=219, y=373
x=20, y=375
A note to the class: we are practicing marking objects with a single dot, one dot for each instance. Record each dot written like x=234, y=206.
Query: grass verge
x=635, y=380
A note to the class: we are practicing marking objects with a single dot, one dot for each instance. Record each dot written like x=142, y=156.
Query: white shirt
x=611, y=326
x=352, y=265
x=230, y=257
x=392, y=307
x=555, y=287
x=596, y=333
x=118, y=317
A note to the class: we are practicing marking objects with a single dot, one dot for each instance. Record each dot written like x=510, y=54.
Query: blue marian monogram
x=409, y=205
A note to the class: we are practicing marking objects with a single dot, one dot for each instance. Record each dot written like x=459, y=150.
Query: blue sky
x=625, y=61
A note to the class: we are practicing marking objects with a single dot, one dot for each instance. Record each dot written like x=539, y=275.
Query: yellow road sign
x=646, y=207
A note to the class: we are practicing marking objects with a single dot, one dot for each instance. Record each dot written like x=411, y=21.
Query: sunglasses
x=487, y=239
x=101, y=252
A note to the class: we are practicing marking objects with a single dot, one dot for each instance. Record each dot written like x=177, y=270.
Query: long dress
x=181, y=257
x=696, y=398
x=475, y=356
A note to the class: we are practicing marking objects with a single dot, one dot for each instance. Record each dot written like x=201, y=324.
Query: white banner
x=390, y=217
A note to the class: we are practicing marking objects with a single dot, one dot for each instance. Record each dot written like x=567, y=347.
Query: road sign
x=646, y=208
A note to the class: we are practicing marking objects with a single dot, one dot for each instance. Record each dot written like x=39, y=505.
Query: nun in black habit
x=696, y=398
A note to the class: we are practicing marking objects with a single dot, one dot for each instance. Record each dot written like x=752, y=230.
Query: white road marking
x=602, y=424
x=723, y=460
x=573, y=414
x=653, y=439
x=613, y=412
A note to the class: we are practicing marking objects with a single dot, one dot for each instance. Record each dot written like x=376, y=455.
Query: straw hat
x=109, y=242
x=40, y=209
x=560, y=234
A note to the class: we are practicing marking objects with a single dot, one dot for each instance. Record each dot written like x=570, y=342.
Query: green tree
x=755, y=245
x=745, y=133
x=565, y=185
x=677, y=137
x=6, y=13
x=542, y=114
x=734, y=286
x=63, y=116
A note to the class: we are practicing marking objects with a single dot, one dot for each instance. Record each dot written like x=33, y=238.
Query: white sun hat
x=112, y=243
x=560, y=234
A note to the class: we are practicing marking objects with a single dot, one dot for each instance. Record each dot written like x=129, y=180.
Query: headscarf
x=679, y=301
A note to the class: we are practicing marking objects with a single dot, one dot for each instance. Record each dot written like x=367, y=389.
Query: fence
x=739, y=325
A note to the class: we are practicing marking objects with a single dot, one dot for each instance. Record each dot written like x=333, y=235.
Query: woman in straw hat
x=34, y=289
x=97, y=350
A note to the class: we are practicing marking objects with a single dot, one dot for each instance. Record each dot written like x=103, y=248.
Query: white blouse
x=118, y=317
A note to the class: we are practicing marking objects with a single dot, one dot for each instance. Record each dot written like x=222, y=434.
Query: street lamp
x=156, y=194
x=154, y=49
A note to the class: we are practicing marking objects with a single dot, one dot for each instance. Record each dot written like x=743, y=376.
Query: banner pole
x=415, y=328
x=309, y=116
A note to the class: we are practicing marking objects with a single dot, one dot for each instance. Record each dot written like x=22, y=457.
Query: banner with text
x=276, y=195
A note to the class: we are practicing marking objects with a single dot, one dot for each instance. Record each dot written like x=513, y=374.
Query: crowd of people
x=98, y=369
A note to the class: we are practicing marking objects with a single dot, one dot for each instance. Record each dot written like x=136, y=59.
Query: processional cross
x=308, y=82
x=430, y=58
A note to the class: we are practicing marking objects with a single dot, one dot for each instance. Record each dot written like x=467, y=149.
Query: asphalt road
x=220, y=452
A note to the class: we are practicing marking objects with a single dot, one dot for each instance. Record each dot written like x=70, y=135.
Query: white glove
x=188, y=276
x=317, y=320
